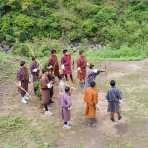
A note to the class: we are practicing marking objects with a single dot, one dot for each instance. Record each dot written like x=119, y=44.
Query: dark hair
x=80, y=52
x=112, y=83
x=67, y=89
x=22, y=63
x=61, y=76
x=53, y=51
x=50, y=68
x=91, y=66
x=64, y=51
x=92, y=84
x=44, y=70
x=33, y=58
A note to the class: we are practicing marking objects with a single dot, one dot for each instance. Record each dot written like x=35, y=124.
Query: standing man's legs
x=119, y=116
x=93, y=122
x=112, y=116
x=66, y=77
x=51, y=93
x=24, y=85
x=71, y=77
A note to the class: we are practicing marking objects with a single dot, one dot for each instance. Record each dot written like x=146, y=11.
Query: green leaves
x=107, y=22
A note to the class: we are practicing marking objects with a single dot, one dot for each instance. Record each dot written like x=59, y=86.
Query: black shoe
x=112, y=119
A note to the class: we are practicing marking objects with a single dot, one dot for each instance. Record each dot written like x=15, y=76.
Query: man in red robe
x=81, y=68
x=53, y=61
x=66, y=65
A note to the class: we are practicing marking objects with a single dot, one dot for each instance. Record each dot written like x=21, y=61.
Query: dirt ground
x=39, y=131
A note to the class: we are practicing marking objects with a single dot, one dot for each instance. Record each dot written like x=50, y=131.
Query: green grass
x=18, y=132
x=120, y=54
x=119, y=145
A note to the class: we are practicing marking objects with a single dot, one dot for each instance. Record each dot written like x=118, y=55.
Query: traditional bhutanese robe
x=91, y=99
x=53, y=60
x=44, y=89
x=113, y=96
x=81, y=64
x=65, y=104
x=51, y=78
x=23, y=76
x=90, y=76
x=66, y=61
x=35, y=74
x=61, y=87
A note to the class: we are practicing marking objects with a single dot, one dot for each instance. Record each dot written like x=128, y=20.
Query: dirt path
x=128, y=74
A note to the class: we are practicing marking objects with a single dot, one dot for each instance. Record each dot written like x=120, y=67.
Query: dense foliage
x=107, y=22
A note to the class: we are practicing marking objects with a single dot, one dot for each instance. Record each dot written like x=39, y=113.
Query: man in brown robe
x=53, y=61
x=34, y=68
x=81, y=68
x=44, y=86
x=23, y=78
x=91, y=99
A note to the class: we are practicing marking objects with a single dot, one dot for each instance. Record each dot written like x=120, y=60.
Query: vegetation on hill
x=56, y=23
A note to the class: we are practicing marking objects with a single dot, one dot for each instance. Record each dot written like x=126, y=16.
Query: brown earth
x=130, y=132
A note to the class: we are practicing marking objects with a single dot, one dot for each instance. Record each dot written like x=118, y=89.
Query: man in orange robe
x=91, y=99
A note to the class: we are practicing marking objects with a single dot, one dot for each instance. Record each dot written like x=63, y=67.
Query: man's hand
x=69, y=108
x=62, y=67
x=19, y=84
x=78, y=68
x=35, y=70
x=49, y=85
x=120, y=101
x=102, y=71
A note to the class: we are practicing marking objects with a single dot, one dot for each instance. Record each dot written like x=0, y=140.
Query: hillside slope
x=104, y=21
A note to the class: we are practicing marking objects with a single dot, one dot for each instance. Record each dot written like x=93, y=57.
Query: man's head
x=65, y=51
x=45, y=71
x=92, y=84
x=50, y=69
x=33, y=58
x=67, y=89
x=91, y=66
x=53, y=51
x=112, y=83
x=22, y=63
x=61, y=76
x=81, y=52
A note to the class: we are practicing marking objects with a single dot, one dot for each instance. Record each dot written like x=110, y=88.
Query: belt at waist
x=44, y=88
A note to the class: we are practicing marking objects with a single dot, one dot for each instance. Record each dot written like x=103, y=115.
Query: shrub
x=22, y=50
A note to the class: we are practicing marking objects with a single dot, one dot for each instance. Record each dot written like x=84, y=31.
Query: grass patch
x=18, y=132
x=119, y=145
x=124, y=53
x=11, y=124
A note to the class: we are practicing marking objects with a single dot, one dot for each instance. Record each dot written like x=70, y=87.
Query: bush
x=86, y=9
x=89, y=28
x=107, y=22
x=22, y=50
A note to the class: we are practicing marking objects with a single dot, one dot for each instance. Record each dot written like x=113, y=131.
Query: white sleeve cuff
x=79, y=69
x=49, y=85
x=62, y=67
x=35, y=70
x=95, y=70
x=19, y=83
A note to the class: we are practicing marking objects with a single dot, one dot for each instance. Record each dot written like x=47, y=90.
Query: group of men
x=45, y=77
